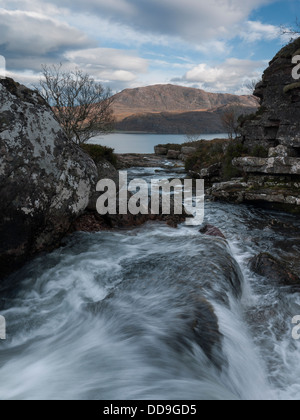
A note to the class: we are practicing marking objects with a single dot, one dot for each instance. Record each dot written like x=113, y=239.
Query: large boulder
x=45, y=181
x=270, y=267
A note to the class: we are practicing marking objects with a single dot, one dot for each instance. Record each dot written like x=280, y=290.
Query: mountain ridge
x=145, y=108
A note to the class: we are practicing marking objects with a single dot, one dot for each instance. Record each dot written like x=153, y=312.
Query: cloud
x=192, y=20
x=252, y=31
x=108, y=58
x=107, y=64
x=31, y=33
x=230, y=76
x=74, y=32
x=113, y=67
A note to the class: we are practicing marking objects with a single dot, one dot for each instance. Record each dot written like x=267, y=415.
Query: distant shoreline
x=161, y=134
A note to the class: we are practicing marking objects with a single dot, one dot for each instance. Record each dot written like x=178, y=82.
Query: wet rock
x=212, y=231
x=203, y=328
x=45, y=181
x=231, y=191
x=91, y=221
x=266, y=265
x=105, y=170
x=212, y=174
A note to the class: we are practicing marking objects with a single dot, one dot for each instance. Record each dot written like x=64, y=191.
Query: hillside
x=175, y=109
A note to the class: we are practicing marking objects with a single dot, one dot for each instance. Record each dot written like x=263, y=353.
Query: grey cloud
x=109, y=58
x=193, y=20
x=33, y=34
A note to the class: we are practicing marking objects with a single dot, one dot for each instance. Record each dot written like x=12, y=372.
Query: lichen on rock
x=45, y=181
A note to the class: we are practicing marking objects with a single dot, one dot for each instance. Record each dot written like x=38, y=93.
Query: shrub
x=259, y=151
x=234, y=150
x=97, y=153
x=209, y=153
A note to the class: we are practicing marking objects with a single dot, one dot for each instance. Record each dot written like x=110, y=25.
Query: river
x=144, y=143
x=108, y=315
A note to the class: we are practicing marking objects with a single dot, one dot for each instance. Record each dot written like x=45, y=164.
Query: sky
x=215, y=45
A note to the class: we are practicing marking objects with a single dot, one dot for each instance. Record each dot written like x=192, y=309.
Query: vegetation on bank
x=98, y=153
x=221, y=151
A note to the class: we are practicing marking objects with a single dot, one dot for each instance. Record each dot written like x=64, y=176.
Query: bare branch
x=230, y=122
x=293, y=32
x=82, y=106
x=251, y=86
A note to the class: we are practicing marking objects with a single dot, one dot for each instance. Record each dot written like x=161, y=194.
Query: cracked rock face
x=277, y=122
x=275, y=165
x=274, y=181
x=45, y=181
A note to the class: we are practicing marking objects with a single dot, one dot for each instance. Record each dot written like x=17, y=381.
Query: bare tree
x=293, y=32
x=230, y=122
x=192, y=138
x=82, y=106
x=251, y=85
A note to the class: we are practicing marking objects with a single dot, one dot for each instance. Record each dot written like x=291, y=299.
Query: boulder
x=45, y=181
x=188, y=150
x=212, y=172
x=266, y=265
x=173, y=154
x=160, y=151
x=212, y=231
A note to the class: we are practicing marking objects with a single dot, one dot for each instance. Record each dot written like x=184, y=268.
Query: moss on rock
x=291, y=87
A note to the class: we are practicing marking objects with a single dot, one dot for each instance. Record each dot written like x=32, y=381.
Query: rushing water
x=128, y=315
x=144, y=143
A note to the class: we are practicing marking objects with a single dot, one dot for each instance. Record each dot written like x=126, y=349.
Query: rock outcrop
x=45, y=181
x=273, y=180
x=175, y=151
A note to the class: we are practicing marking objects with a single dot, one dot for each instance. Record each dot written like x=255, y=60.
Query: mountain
x=170, y=109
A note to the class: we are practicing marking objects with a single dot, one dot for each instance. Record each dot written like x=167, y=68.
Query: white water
x=109, y=315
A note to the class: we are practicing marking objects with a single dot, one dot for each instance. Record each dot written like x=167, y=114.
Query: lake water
x=144, y=143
